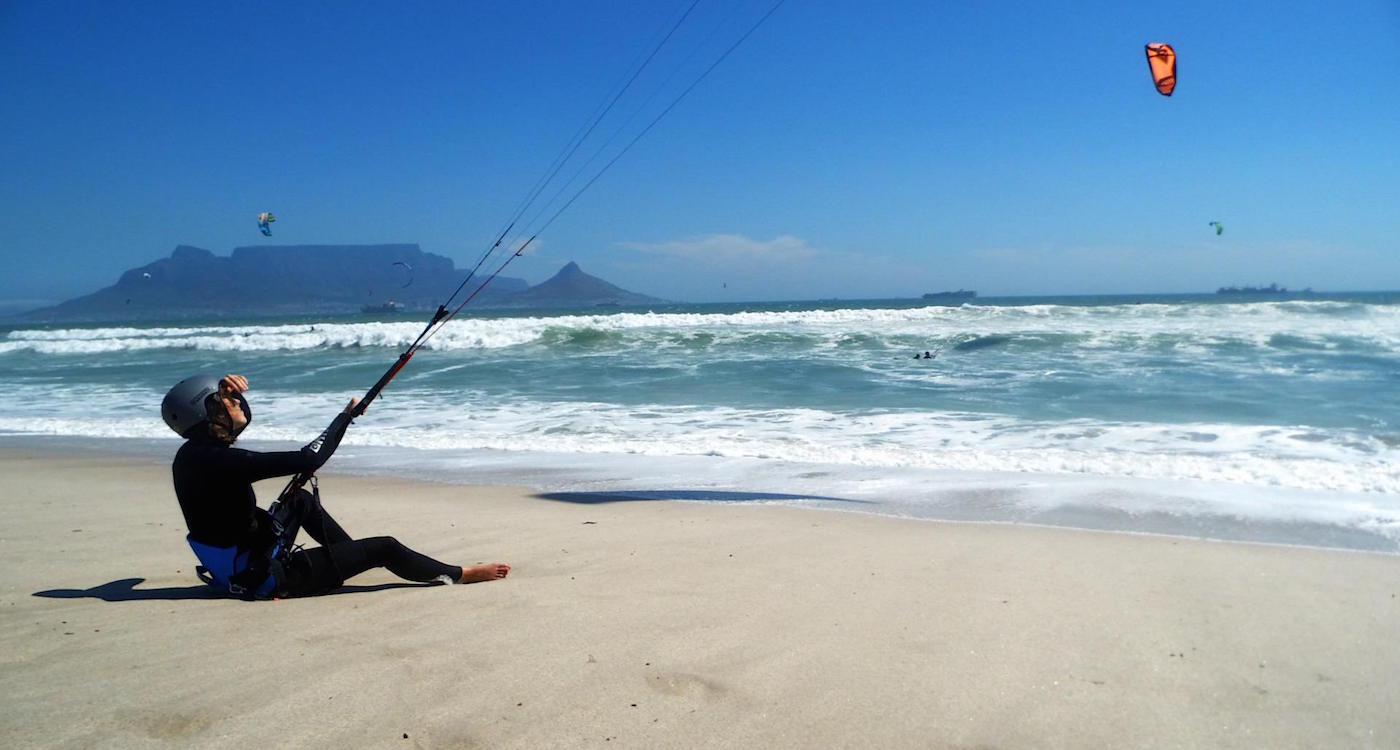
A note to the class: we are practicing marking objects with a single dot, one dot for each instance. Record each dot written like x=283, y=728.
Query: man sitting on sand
x=246, y=548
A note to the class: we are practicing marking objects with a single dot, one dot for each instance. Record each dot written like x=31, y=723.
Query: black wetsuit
x=214, y=484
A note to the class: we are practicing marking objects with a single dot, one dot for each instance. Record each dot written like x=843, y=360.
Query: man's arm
x=254, y=466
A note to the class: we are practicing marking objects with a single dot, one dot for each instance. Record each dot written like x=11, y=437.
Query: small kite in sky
x=410, y=273
x=1219, y=228
x=1161, y=60
x=264, y=219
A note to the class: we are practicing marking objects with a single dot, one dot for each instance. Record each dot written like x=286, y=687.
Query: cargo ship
x=388, y=307
x=961, y=295
x=1273, y=289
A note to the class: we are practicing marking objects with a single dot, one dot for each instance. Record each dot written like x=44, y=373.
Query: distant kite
x=1219, y=228
x=1161, y=60
x=264, y=219
x=410, y=273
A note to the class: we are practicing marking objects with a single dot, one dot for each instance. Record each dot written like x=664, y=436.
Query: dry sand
x=667, y=624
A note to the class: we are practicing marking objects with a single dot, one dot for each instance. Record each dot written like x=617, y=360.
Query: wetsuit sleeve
x=252, y=466
x=319, y=451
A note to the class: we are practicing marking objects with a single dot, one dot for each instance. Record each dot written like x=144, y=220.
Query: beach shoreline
x=1179, y=508
x=646, y=623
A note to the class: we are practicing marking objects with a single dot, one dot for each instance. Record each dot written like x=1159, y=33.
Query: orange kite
x=1161, y=59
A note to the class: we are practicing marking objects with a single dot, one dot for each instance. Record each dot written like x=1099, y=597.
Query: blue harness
x=232, y=568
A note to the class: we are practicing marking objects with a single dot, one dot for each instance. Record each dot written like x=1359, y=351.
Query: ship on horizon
x=958, y=296
x=389, y=306
x=1270, y=289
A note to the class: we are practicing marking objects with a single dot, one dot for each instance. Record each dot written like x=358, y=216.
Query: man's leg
x=315, y=571
x=355, y=557
x=320, y=569
x=307, y=511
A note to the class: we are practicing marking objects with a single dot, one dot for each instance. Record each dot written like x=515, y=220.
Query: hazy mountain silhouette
x=571, y=286
x=313, y=279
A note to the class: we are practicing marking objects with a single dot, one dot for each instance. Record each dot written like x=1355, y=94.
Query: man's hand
x=232, y=385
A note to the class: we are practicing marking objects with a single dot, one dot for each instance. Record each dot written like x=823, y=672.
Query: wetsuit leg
x=314, y=519
x=315, y=571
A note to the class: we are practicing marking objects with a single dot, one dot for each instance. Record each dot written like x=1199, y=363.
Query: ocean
x=1274, y=420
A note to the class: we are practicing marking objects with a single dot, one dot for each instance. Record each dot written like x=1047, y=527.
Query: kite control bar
x=301, y=479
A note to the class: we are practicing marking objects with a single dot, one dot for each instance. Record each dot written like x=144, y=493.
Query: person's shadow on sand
x=124, y=590
x=716, y=496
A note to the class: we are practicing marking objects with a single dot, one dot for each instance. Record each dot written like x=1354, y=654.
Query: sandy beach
x=667, y=624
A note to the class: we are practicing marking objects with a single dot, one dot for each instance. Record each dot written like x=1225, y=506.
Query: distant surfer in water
x=247, y=549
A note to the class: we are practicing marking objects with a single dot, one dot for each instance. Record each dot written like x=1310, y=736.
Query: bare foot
x=486, y=572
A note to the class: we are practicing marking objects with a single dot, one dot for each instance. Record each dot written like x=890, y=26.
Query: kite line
x=449, y=308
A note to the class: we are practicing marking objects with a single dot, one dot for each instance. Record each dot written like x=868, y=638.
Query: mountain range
x=316, y=279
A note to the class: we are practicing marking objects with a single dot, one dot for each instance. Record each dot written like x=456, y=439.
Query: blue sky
x=844, y=150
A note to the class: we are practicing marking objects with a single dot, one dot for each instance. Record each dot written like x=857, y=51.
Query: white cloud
x=724, y=266
x=513, y=244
